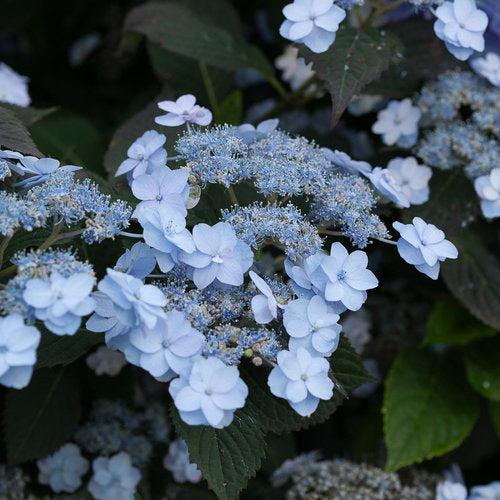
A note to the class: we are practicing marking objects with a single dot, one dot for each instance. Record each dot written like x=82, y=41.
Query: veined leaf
x=14, y=135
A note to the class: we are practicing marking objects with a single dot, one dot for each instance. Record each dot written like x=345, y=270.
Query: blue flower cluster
x=285, y=227
x=464, y=111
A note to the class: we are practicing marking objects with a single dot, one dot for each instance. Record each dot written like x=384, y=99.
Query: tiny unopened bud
x=257, y=361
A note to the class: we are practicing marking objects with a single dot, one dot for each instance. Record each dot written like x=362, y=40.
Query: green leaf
x=428, y=408
x=227, y=457
x=231, y=109
x=71, y=139
x=474, y=278
x=133, y=128
x=63, y=350
x=276, y=415
x=483, y=367
x=14, y=135
x=354, y=60
x=23, y=240
x=28, y=115
x=494, y=407
x=179, y=29
x=40, y=418
x=449, y=323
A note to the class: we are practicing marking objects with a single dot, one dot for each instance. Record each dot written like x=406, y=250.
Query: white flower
x=114, y=478
x=347, y=277
x=18, y=344
x=424, y=246
x=264, y=305
x=488, y=189
x=487, y=492
x=183, y=110
x=167, y=349
x=398, y=123
x=312, y=22
x=13, y=87
x=312, y=325
x=294, y=69
x=210, y=394
x=177, y=462
x=145, y=153
x=61, y=302
x=489, y=67
x=343, y=160
x=104, y=361
x=386, y=184
x=450, y=490
x=412, y=178
x=301, y=379
x=461, y=26
x=248, y=133
x=63, y=470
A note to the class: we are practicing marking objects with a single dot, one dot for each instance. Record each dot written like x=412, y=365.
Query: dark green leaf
x=482, y=362
x=23, y=240
x=276, y=415
x=428, y=408
x=28, y=115
x=42, y=417
x=474, y=278
x=227, y=457
x=495, y=415
x=63, y=350
x=354, y=60
x=177, y=28
x=449, y=323
x=231, y=109
x=71, y=139
x=14, y=135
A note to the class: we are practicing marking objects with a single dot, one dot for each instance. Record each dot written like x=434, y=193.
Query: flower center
x=304, y=377
x=3, y=349
x=165, y=344
x=159, y=197
x=217, y=259
x=140, y=156
x=341, y=275
x=208, y=392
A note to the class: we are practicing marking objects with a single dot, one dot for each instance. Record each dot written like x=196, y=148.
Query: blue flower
x=312, y=325
x=210, y=394
x=398, y=122
x=144, y=154
x=177, y=462
x=488, y=189
x=168, y=349
x=165, y=230
x=424, y=246
x=219, y=255
x=183, y=110
x=18, y=344
x=249, y=133
x=343, y=160
x=133, y=302
x=114, y=477
x=302, y=380
x=264, y=305
x=412, y=179
x=461, y=25
x=348, y=278
x=385, y=183
x=139, y=261
x=63, y=470
x=161, y=187
x=39, y=170
x=312, y=22
x=61, y=302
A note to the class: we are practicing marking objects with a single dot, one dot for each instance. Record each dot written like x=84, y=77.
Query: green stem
x=3, y=246
x=207, y=81
x=232, y=196
x=278, y=86
x=340, y=233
